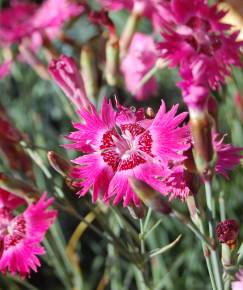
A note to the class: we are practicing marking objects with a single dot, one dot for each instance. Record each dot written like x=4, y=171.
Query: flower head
x=125, y=144
x=227, y=231
x=67, y=75
x=238, y=284
x=140, y=59
x=21, y=234
x=228, y=155
x=197, y=37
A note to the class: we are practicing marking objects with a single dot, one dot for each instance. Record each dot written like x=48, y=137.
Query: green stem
x=146, y=222
x=211, y=225
x=57, y=265
x=141, y=284
x=22, y=282
x=222, y=206
x=160, y=64
x=196, y=218
x=141, y=235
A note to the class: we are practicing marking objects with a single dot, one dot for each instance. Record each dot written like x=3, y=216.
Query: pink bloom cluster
x=23, y=19
x=198, y=43
x=21, y=234
x=122, y=142
x=140, y=59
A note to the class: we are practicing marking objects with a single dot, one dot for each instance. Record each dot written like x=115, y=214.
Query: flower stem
x=222, y=206
x=142, y=236
x=211, y=224
x=195, y=216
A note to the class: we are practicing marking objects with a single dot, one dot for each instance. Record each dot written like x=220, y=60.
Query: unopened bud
x=58, y=163
x=89, y=71
x=112, y=61
x=202, y=142
x=149, y=196
x=67, y=75
x=227, y=232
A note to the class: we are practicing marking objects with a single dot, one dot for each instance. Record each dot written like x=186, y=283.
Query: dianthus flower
x=21, y=234
x=140, y=58
x=24, y=19
x=122, y=144
x=228, y=156
x=196, y=36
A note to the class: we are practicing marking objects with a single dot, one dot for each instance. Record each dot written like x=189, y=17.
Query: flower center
x=5, y=218
x=203, y=40
x=16, y=232
x=126, y=147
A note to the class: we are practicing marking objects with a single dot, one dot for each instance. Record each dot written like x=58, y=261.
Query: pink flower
x=5, y=69
x=67, y=75
x=195, y=91
x=15, y=22
x=197, y=37
x=125, y=144
x=23, y=19
x=52, y=14
x=140, y=59
x=21, y=234
x=228, y=155
x=9, y=201
x=238, y=284
x=176, y=183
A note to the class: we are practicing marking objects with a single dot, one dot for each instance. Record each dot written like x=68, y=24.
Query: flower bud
x=58, y=163
x=227, y=232
x=112, y=61
x=202, y=143
x=67, y=75
x=149, y=196
x=89, y=72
